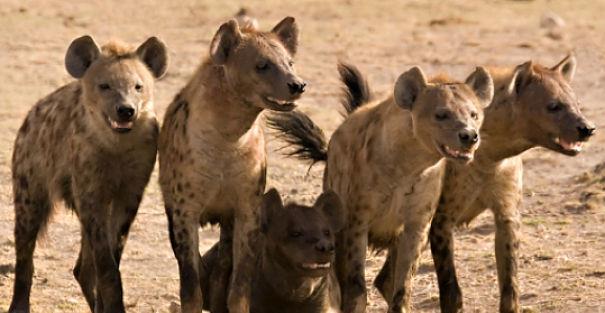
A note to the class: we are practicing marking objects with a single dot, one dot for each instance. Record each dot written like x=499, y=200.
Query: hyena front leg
x=507, y=246
x=441, y=238
x=183, y=228
x=245, y=243
x=221, y=271
x=84, y=272
x=403, y=264
x=352, y=268
x=93, y=211
x=31, y=213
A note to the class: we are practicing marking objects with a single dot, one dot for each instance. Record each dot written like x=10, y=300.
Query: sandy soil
x=563, y=242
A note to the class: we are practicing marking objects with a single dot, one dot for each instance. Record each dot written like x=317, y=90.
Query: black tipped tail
x=356, y=91
x=301, y=133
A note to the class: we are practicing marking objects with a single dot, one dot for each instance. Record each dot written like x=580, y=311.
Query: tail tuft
x=301, y=133
x=356, y=91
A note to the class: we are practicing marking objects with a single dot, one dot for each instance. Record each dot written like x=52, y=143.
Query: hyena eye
x=442, y=116
x=104, y=86
x=327, y=232
x=262, y=66
x=474, y=115
x=295, y=234
x=554, y=106
x=291, y=63
x=138, y=87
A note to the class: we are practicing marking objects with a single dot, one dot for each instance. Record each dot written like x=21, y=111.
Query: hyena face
x=446, y=116
x=117, y=83
x=547, y=107
x=259, y=65
x=301, y=239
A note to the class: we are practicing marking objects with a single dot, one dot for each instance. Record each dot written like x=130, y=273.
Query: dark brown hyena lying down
x=294, y=270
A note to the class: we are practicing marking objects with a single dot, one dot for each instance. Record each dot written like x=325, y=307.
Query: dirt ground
x=563, y=243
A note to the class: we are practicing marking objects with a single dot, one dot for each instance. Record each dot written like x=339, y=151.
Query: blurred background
x=563, y=247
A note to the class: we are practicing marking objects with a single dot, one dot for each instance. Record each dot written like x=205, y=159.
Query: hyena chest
x=413, y=200
x=225, y=177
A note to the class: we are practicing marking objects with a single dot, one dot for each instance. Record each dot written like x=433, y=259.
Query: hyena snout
x=324, y=246
x=125, y=112
x=586, y=130
x=468, y=137
x=297, y=87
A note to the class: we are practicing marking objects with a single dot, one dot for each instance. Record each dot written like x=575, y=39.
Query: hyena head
x=299, y=238
x=446, y=116
x=117, y=81
x=546, y=107
x=259, y=65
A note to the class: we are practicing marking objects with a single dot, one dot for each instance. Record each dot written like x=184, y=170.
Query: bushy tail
x=301, y=133
x=356, y=90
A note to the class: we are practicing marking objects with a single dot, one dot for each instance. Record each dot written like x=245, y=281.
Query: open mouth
x=316, y=266
x=279, y=105
x=120, y=127
x=569, y=146
x=461, y=155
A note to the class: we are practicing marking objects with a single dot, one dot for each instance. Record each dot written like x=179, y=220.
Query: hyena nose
x=323, y=246
x=468, y=137
x=586, y=131
x=125, y=112
x=297, y=88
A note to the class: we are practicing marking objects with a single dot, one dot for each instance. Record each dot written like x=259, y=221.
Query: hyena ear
x=408, y=86
x=80, y=55
x=521, y=78
x=330, y=205
x=226, y=39
x=153, y=53
x=271, y=203
x=287, y=32
x=567, y=67
x=482, y=84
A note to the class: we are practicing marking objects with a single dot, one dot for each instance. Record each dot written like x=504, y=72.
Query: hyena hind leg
x=32, y=211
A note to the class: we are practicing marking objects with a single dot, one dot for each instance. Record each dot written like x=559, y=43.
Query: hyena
x=386, y=163
x=212, y=153
x=533, y=106
x=91, y=144
x=294, y=271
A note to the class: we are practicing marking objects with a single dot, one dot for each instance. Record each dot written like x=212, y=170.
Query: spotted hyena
x=386, y=163
x=91, y=144
x=294, y=269
x=533, y=106
x=212, y=152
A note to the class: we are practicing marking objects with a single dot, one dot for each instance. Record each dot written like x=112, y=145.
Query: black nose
x=323, y=246
x=468, y=136
x=586, y=131
x=297, y=88
x=125, y=112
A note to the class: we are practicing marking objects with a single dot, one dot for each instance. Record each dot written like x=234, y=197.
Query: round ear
x=153, y=53
x=271, y=203
x=287, y=32
x=408, y=87
x=329, y=203
x=567, y=67
x=226, y=39
x=521, y=78
x=482, y=84
x=80, y=55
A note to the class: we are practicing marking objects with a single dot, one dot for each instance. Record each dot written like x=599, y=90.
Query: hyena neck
x=400, y=144
x=219, y=105
x=501, y=134
x=279, y=281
